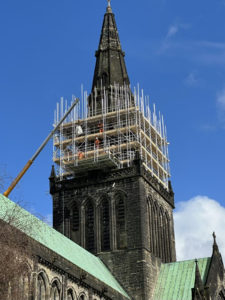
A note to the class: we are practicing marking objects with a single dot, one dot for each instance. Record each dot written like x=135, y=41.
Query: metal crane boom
x=30, y=161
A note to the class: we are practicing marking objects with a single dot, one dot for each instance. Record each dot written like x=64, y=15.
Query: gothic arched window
x=25, y=287
x=120, y=222
x=159, y=231
x=105, y=225
x=159, y=248
x=168, y=239
x=221, y=295
x=161, y=234
x=89, y=227
x=41, y=288
x=151, y=224
x=55, y=292
x=156, y=229
x=75, y=223
x=70, y=295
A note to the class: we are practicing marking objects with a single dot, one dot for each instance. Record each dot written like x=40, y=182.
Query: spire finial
x=109, y=9
x=198, y=279
x=215, y=246
x=214, y=237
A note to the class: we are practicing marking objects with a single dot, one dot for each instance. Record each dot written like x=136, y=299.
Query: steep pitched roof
x=176, y=280
x=110, y=65
x=52, y=239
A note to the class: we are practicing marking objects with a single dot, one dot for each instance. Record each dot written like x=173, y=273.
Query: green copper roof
x=176, y=280
x=58, y=243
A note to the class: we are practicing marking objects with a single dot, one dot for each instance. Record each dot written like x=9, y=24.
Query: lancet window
x=159, y=229
x=70, y=295
x=55, y=292
x=89, y=227
x=105, y=225
x=41, y=288
x=120, y=221
x=25, y=287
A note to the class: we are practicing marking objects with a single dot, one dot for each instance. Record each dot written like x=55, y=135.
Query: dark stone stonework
x=135, y=269
x=215, y=278
x=110, y=65
x=44, y=261
x=124, y=216
x=131, y=256
x=213, y=287
x=59, y=265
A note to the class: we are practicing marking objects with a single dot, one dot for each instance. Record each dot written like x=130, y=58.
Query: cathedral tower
x=111, y=193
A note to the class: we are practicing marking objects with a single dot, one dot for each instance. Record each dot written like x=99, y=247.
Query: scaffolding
x=106, y=129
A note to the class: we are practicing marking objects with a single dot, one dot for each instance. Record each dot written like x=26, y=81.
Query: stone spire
x=52, y=180
x=199, y=291
x=110, y=65
x=198, y=279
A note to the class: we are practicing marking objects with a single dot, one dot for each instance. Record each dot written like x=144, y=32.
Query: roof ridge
x=186, y=260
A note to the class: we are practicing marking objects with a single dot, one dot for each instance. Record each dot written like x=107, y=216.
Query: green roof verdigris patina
x=176, y=279
x=58, y=243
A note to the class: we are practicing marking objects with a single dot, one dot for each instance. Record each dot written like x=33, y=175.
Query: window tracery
x=70, y=295
x=41, y=288
x=159, y=229
x=55, y=292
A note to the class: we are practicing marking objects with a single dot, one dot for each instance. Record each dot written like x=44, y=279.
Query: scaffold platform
x=108, y=132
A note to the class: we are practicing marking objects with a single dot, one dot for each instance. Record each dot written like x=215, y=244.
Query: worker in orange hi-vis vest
x=100, y=127
x=80, y=155
x=97, y=143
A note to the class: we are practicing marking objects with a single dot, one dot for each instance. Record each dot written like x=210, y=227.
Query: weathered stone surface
x=136, y=265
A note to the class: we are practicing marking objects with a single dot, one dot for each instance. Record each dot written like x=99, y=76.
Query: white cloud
x=192, y=79
x=173, y=29
x=201, y=52
x=211, y=45
x=208, y=127
x=195, y=221
x=221, y=99
x=48, y=219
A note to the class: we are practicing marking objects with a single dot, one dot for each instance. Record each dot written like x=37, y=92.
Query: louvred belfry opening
x=89, y=227
x=105, y=223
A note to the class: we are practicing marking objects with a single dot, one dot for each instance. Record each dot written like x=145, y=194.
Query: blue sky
x=174, y=49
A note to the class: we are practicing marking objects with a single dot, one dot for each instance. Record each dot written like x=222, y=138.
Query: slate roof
x=58, y=243
x=176, y=279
